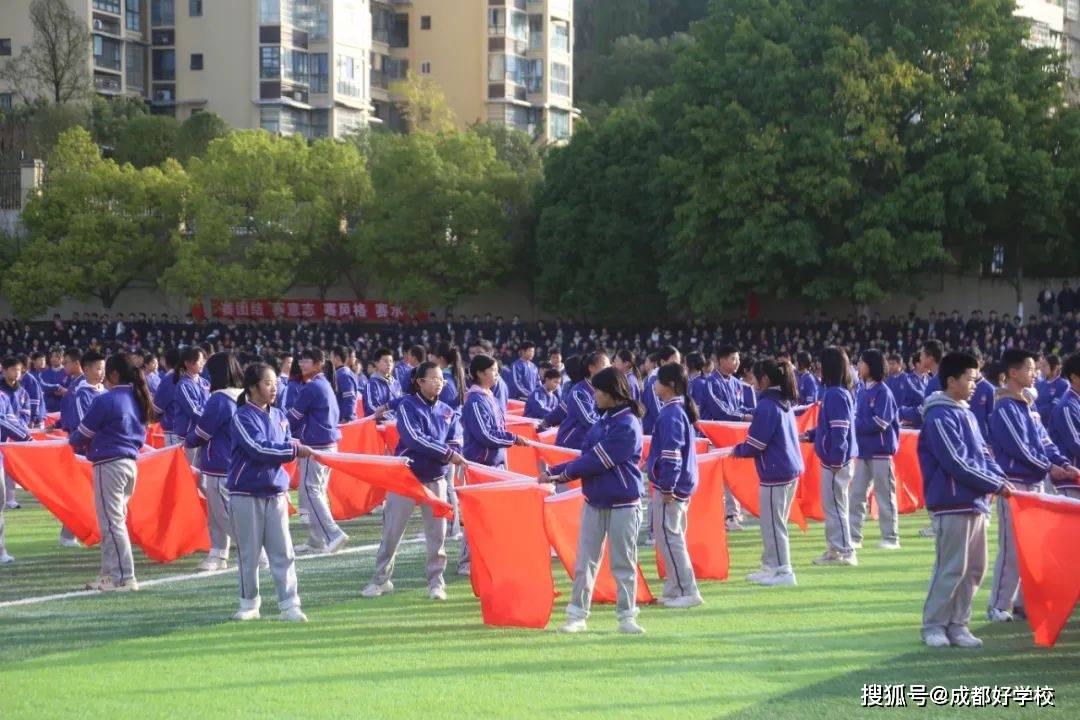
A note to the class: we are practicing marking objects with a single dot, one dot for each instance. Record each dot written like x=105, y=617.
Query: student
x=543, y=399
x=19, y=401
x=724, y=401
x=1052, y=386
x=51, y=379
x=190, y=396
x=807, y=383
x=877, y=435
x=835, y=446
x=403, y=370
x=523, y=377
x=745, y=373
x=896, y=379
x=673, y=472
x=165, y=396
x=258, y=494
x=448, y=358
x=345, y=384
x=959, y=474
x=982, y=402
x=929, y=358
x=697, y=374
x=294, y=383
x=1026, y=454
x=212, y=435
x=89, y=388
x=34, y=394
x=111, y=434
x=150, y=372
x=576, y=414
x=609, y=470
x=649, y=400
x=69, y=416
x=624, y=362
x=12, y=429
x=1065, y=424
x=383, y=387
x=313, y=419
x=773, y=442
x=430, y=434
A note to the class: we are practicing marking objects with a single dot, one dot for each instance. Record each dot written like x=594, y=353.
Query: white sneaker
x=70, y=542
x=305, y=549
x=733, y=525
x=630, y=627
x=926, y=532
x=108, y=584
x=212, y=563
x=684, y=601
x=6, y=559
x=465, y=569
x=829, y=557
x=374, y=591
x=856, y=544
x=998, y=615
x=936, y=639
x=437, y=593
x=12, y=504
x=293, y=614
x=889, y=545
x=756, y=577
x=334, y=545
x=962, y=637
x=572, y=626
x=779, y=579
x=304, y=519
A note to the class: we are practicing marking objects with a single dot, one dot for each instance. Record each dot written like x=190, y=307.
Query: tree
x=54, y=67
x=635, y=65
x=423, y=104
x=436, y=229
x=109, y=117
x=196, y=133
x=97, y=229
x=146, y=140
x=601, y=221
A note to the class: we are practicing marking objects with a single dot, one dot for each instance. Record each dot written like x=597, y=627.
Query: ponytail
x=252, y=376
x=452, y=357
x=673, y=376
x=190, y=354
x=128, y=374
x=781, y=375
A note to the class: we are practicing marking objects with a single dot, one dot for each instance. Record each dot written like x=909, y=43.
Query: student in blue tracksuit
x=625, y=362
x=483, y=421
x=673, y=473
x=51, y=378
x=212, y=435
x=576, y=413
x=725, y=400
x=12, y=429
x=773, y=442
x=34, y=394
x=982, y=402
x=877, y=435
x=545, y=398
x=1026, y=455
x=110, y=435
x=69, y=417
x=1052, y=387
x=805, y=379
x=314, y=421
x=835, y=447
x=90, y=387
x=19, y=400
x=895, y=378
x=258, y=491
x=430, y=432
x=1064, y=424
x=448, y=359
x=611, y=480
x=649, y=400
x=190, y=395
x=149, y=370
x=697, y=373
x=746, y=384
x=524, y=376
x=164, y=397
x=929, y=358
x=345, y=384
x=959, y=474
x=383, y=387
x=412, y=358
x=290, y=390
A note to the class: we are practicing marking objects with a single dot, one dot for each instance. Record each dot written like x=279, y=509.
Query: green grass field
x=803, y=652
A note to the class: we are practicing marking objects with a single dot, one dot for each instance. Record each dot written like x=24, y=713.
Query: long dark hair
x=252, y=376
x=452, y=357
x=780, y=375
x=479, y=364
x=673, y=376
x=190, y=354
x=224, y=371
x=575, y=369
x=418, y=372
x=835, y=368
x=128, y=374
x=876, y=364
x=628, y=357
x=614, y=383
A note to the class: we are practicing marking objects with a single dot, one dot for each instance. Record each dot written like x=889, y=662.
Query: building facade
x=1056, y=24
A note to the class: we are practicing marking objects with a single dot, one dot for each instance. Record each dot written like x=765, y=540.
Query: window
x=164, y=64
x=534, y=76
x=134, y=66
x=496, y=21
x=536, y=32
x=110, y=6
x=560, y=79
x=295, y=65
x=161, y=12
x=560, y=124
x=196, y=61
x=382, y=19
x=425, y=68
x=194, y=8
x=560, y=35
x=270, y=119
x=496, y=67
x=5, y=46
x=320, y=123
x=269, y=62
x=519, y=26
x=269, y=12
x=425, y=22
x=5, y=102
x=351, y=74
x=106, y=52
x=320, y=72
x=133, y=15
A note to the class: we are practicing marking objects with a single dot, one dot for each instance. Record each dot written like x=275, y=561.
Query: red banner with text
x=359, y=310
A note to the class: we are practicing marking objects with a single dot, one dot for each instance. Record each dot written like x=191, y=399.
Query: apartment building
x=1055, y=23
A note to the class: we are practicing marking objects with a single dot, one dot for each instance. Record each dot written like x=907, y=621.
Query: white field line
x=189, y=576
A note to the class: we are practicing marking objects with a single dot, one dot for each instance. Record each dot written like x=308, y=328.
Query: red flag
x=515, y=407
x=908, y=473
x=740, y=476
x=349, y=496
x=388, y=430
x=167, y=515
x=155, y=437
x=510, y=553
x=724, y=434
x=808, y=494
x=391, y=474
x=477, y=474
x=808, y=419
x=522, y=459
x=562, y=518
x=548, y=436
x=706, y=535
x=1047, y=532
x=50, y=472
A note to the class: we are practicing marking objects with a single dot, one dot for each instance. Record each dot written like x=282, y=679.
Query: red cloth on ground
x=391, y=474
x=706, y=535
x=562, y=518
x=1047, y=533
x=740, y=476
x=510, y=554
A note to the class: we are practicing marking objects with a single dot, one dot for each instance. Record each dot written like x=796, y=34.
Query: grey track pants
x=959, y=566
x=396, y=513
x=258, y=523
x=775, y=505
x=669, y=531
x=114, y=483
x=619, y=526
x=879, y=473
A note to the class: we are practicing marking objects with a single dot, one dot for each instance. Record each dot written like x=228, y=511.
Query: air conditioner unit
x=298, y=96
x=99, y=24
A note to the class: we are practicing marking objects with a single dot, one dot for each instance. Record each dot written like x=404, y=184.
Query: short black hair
x=955, y=364
x=1071, y=366
x=381, y=353
x=934, y=349
x=1013, y=358
x=91, y=356
x=11, y=361
x=552, y=374
x=724, y=351
x=876, y=363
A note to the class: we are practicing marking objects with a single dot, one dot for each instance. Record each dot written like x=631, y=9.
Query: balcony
x=107, y=83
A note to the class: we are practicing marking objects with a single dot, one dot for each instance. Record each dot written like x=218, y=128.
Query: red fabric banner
x=166, y=514
x=509, y=550
x=522, y=459
x=808, y=494
x=741, y=478
x=308, y=309
x=1047, y=532
x=706, y=535
x=391, y=474
x=562, y=518
x=477, y=474
x=723, y=434
x=349, y=495
x=515, y=407
x=390, y=436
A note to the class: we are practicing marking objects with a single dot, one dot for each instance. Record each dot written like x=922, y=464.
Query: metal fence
x=10, y=188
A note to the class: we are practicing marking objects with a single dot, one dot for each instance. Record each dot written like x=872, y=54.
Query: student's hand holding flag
x=1007, y=489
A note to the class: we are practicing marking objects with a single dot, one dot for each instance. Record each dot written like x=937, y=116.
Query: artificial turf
x=798, y=652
